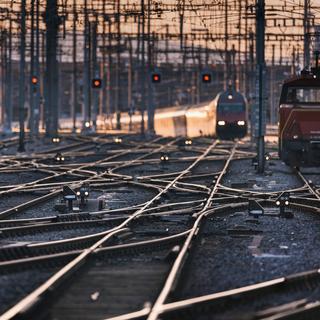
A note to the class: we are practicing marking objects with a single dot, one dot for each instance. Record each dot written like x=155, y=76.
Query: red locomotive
x=299, y=119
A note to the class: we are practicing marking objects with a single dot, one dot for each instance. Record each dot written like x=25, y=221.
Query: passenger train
x=299, y=120
x=224, y=117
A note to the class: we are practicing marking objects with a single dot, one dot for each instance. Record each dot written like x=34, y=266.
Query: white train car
x=224, y=116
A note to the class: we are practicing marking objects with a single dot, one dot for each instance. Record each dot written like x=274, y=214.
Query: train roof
x=303, y=81
x=236, y=96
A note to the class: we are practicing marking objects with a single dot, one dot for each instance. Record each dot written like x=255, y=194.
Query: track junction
x=171, y=228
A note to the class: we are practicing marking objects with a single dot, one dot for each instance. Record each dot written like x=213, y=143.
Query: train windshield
x=303, y=95
x=231, y=108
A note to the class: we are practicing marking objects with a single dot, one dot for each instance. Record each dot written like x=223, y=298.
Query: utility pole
x=9, y=82
x=240, y=77
x=306, y=31
x=32, y=86
x=117, y=86
x=246, y=64
x=37, y=70
x=226, y=40
x=86, y=69
x=130, y=104
x=260, y=81
x=2, y=76
x=150, y=106
x=142, y=72
x=44, y=111
x=74, y=68
x=52, y=24
x=234, y=68
x=103, y=108
x=95, y=73
x=109, y=96
x=272, y=86
x=22, y=75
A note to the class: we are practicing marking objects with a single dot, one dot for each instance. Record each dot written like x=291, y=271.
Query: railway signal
x=164, y=157
x=83, y=193
x=96, y=83
x=206, y=77
x=282, y=202
x=59, y=157
x=156, y=77
x=34, y=80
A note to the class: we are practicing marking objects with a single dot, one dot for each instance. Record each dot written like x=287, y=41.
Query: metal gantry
x=68, y=43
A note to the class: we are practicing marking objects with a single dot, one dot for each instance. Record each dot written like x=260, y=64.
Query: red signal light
x=156, y=78
x=96, y=83
x=34, y=80
x=206, y=78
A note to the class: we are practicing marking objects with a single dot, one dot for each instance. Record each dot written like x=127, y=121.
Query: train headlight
x=241, y=123
x=295, y=136
x=221, y=123
x=230, y=97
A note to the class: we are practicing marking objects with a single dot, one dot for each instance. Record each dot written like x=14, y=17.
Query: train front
x=231, y=120
x=299, y=121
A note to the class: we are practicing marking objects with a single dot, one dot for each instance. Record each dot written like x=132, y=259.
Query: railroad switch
x=254, y=208
x=282, y=202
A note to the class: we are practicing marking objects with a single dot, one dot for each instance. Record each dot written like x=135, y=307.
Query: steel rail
x=176, y=269
x=20, y=207
x=72, y=170
x=303, y=178
x=34, y=296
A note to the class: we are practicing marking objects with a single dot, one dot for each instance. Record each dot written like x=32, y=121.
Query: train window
x=303, y=95
x=228, y=107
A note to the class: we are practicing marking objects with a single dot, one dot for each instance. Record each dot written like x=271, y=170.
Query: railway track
x=166, y=189
x=82, y=257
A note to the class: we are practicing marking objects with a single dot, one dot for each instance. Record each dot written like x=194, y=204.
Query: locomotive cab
x=231, y=115
x=299, y=121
